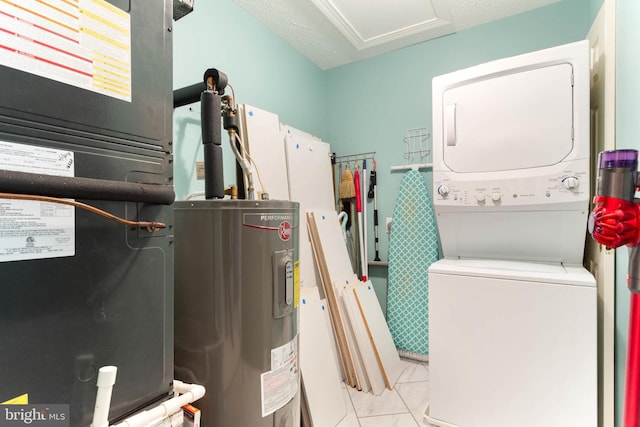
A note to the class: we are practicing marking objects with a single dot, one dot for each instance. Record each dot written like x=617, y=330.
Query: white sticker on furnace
x=32, y=229
x=281, y=383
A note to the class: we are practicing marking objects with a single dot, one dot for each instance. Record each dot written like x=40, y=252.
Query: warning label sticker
x=33, y=229
x=84, y=43
x=280, y=384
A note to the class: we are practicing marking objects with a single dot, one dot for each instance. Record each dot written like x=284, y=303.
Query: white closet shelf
x=414, y=166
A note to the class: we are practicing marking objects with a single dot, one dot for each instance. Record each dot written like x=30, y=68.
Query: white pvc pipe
x=189, y=393
x=196, y=390
x=185, y=393
x=106, y=380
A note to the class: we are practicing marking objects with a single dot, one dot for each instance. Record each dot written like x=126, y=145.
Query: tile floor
x=401, y=407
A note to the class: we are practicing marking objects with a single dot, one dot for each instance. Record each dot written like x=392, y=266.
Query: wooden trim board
x=360, y=331
x=370, y=357
x=379, y=334
x=334, y=309
x=362, y=380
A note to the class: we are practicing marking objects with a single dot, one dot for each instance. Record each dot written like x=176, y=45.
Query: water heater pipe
x=188, y=393
x=84, y=188
x=185, y=393
x=188, y=94
x=106, y=380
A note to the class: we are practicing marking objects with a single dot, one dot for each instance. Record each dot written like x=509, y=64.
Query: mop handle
x=356, y=181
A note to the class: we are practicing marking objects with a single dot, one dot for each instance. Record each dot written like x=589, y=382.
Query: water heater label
x=33, y=229
x=83, y=43
x=280, y=222
x=280, y=384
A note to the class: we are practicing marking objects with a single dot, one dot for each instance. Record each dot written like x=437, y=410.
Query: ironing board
x=413, y=247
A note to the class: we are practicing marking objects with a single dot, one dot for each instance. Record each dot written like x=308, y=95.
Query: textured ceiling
x=336, y=32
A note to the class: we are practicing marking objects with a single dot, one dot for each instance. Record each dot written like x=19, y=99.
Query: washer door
x=509, y=352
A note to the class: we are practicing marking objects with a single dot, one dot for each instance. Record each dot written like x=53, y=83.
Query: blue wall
x=594, y=8
x=264, y=70
x=374, y=102
x=627, y=136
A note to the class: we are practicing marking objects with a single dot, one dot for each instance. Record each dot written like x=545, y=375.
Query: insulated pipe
x=191, y=94
x=188, y=94
x=84, y=188
x=209, y=93
x=106, y=380
x=212, y=140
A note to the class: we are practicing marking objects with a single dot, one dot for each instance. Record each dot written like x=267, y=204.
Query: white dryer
x=512, y=312
x=511, y=157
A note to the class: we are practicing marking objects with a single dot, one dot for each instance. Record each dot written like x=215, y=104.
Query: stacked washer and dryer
x=512, y=312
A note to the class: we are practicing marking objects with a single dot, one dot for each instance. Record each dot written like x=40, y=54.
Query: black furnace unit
x=86, y=114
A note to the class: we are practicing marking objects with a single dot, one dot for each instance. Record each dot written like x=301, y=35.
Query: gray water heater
x=236, y=297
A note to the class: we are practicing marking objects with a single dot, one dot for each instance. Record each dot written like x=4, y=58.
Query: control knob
x=570, y=182
x=443, y=190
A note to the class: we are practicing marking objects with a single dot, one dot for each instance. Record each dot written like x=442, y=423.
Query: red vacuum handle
x=616, y=222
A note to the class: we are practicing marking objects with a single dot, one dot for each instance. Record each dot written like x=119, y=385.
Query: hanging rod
x=413, y=166
x=371, y=155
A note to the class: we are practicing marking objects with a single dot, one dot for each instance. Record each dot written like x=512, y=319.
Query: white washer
x=512, y=313
x=512, y=344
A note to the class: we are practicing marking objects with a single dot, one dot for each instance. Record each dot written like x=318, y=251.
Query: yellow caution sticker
x=296, y=283
x=18, y=400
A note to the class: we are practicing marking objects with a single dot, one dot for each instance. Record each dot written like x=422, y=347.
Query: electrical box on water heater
x=237, y=292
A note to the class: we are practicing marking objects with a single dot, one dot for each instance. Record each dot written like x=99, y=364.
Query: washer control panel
x=567, y=186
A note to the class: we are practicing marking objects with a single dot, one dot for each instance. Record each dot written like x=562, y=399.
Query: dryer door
x=496, y=123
